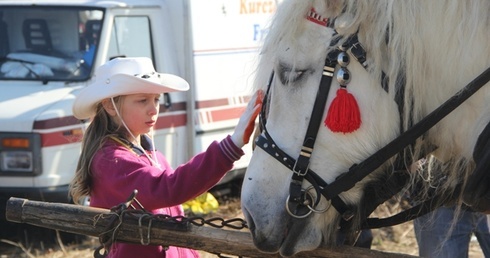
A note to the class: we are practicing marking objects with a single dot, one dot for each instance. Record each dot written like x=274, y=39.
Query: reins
x=361, y=170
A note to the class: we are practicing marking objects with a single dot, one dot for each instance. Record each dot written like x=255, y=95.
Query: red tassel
x=343, y=115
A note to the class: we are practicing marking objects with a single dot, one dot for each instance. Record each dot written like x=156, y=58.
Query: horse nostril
x=249, y=219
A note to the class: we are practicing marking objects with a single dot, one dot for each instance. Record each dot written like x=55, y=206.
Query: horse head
x=296, y=55
x=314, y=50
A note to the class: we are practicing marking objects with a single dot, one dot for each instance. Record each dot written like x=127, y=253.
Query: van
x=49, y=50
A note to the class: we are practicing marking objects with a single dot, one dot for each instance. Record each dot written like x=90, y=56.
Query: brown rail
x=93, y=222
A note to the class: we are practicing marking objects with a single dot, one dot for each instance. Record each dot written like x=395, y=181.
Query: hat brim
x=86, y=102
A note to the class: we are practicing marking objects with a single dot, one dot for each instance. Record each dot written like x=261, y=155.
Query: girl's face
x=140, y=112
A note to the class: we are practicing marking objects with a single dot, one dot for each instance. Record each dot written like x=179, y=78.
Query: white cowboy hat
x=124, y=76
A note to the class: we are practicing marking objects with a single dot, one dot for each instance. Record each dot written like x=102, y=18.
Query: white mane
x=439, y=46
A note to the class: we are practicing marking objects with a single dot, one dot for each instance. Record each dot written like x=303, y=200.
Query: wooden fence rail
x=94, y=221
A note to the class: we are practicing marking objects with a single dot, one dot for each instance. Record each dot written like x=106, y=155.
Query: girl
x=118, y=155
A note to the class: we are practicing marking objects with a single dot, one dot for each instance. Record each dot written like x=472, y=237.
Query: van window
x=131, y=37
x=54, y=43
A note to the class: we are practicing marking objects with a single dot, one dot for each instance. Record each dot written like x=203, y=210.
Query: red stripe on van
x=226, y=114
x=163, y=122
x=72, y=136
x=71, y=120
x=55, y=123
x=212, y=103
x=59, y=138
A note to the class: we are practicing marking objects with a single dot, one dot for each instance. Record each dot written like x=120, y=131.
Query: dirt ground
x=398, y=239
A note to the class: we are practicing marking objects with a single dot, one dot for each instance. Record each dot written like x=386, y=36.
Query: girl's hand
x=246, y=124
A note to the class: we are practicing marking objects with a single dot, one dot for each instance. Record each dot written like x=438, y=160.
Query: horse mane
x=416, y=37
x=424, y=44
x=415, y=43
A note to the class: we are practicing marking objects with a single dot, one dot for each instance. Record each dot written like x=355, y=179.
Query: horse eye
x=287, y=75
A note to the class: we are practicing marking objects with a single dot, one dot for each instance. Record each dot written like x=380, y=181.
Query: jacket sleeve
x=117, y=172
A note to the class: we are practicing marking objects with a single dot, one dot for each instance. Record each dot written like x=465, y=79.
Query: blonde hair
x=101, y=128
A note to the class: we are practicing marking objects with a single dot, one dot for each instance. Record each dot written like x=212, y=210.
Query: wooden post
x=94, y=221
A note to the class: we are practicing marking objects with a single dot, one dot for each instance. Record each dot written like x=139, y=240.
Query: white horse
x=425, y=51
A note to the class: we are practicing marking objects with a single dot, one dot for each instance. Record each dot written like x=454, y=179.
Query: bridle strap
x=358, y=172
x=300, y=168
x=401, y=217
x=416, y=211
x=267, y=144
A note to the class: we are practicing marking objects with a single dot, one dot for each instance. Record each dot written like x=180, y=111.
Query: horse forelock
x=287, y=25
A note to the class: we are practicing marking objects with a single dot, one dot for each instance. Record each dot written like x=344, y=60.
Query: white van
x=48, y=52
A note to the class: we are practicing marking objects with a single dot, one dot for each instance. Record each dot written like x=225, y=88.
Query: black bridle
x=300, y=198
x=301, y=203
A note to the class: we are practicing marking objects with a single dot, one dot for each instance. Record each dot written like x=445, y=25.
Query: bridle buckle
x=300, y=172
x=304, y=157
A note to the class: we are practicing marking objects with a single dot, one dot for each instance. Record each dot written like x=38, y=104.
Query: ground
x=398, y=239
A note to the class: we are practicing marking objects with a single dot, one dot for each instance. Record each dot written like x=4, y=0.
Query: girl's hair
x=101, y=128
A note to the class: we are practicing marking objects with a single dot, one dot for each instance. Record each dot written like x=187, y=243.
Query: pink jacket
x=117, y=171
